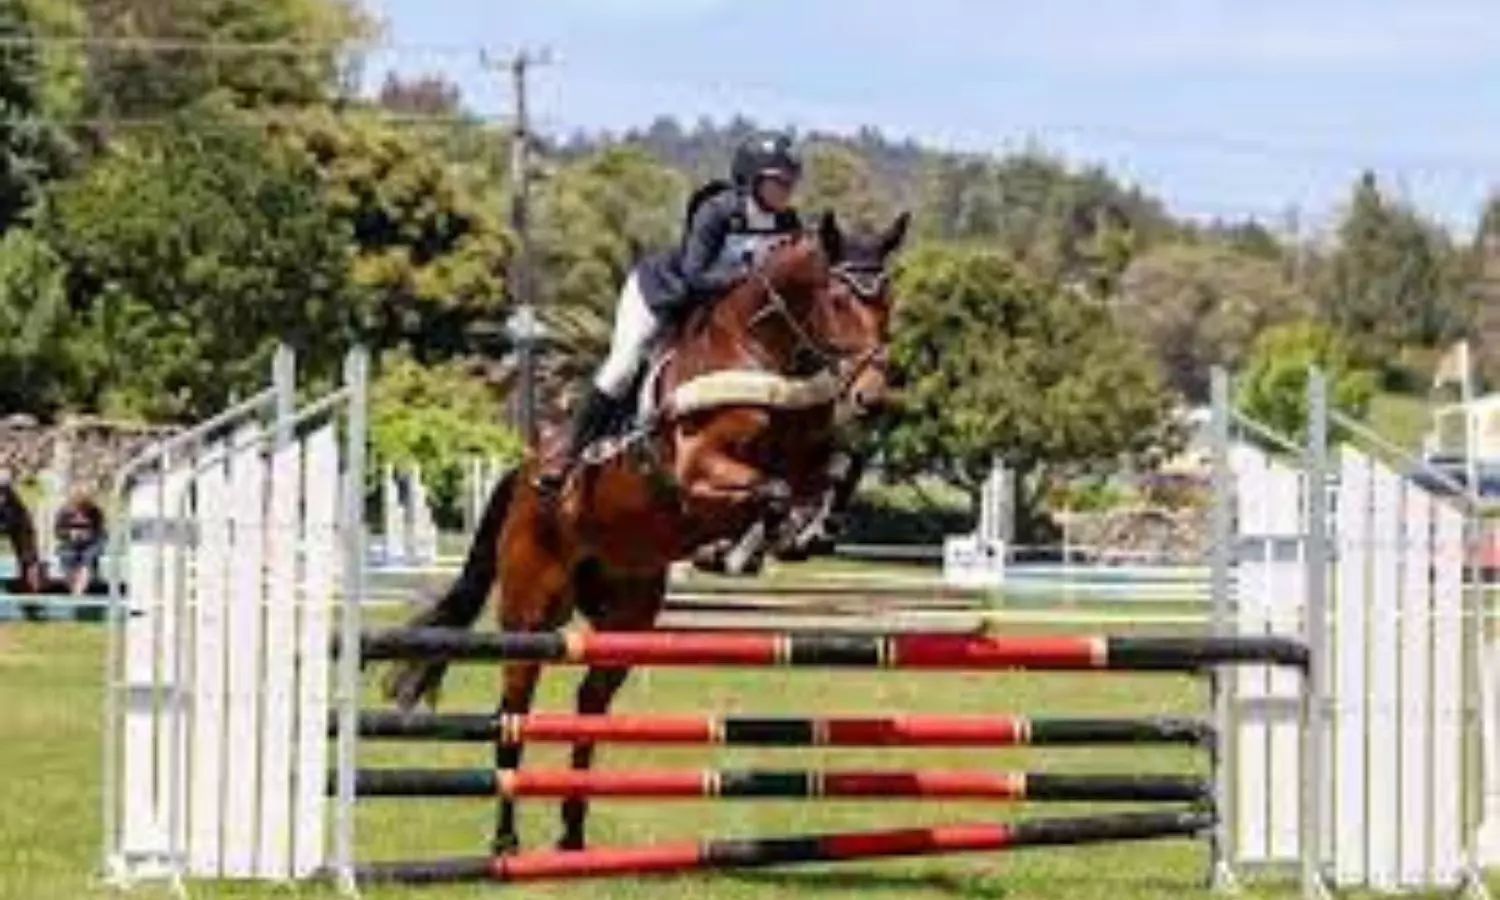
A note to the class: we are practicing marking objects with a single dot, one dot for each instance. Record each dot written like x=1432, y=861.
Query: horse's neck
x=721, y=336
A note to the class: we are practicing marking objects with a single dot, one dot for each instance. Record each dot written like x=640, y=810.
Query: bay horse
x=18, y=525
x=742, y=428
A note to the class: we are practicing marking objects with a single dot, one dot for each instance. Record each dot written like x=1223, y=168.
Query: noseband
x=868, y=282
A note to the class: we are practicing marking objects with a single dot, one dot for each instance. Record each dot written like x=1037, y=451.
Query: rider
x=729, y=225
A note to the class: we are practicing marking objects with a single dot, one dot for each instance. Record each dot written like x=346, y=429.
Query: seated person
x=80, y=533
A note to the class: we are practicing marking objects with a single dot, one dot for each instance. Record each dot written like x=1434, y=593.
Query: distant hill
x=964, y=196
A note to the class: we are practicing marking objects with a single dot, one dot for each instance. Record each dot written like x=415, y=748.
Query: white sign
x=973, y=562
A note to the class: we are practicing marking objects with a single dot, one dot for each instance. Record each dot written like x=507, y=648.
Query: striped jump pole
x=755, y=853
x=676, y=784
x=892, y=731
x=904, y=651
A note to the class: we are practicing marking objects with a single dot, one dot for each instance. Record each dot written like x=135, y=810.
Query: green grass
x=49, y=846
x=1400, y=418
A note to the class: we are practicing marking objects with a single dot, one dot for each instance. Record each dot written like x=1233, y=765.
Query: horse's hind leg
x=626, y=603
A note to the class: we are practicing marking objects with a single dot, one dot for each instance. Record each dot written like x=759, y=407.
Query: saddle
x=651, y=396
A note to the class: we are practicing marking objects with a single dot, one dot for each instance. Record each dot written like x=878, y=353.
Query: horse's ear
x=894, y=236
x=831, y=236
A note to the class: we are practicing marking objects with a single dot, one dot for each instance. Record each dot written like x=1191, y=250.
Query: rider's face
x=775, y=194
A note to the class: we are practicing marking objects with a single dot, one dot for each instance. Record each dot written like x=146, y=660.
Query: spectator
x=79, y=528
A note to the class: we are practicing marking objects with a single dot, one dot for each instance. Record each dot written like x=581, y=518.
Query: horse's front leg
x=595, y=693
x=520, y=689
x=724, y=497
x=748, y=554
x=626, y=603
x=818, y=528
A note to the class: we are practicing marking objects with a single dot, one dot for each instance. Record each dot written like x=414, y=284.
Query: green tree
x=437, y=417
x=424, y=95
x=595, y=218
x=37, y=371
x=166, y=55
x=1273, y=387
x=960, y=199
x=193, y=250
x=34, y=149
x=1001, y=365
x=1386, y=283
x=1201, y=305
x=1483, y=291
x=430, y=247
x=837, y=178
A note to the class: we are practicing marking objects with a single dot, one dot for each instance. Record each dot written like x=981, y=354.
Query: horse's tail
x=412, y=681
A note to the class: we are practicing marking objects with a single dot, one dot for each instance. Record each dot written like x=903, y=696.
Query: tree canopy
x=1002, y=366
x=183, y=183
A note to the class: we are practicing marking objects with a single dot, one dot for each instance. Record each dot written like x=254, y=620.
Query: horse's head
x=853, y=318
x=824, y=303
x=777, y=305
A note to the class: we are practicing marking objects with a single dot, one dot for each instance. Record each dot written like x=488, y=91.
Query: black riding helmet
x=765, y=156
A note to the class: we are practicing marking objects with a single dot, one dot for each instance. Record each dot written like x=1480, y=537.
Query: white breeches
x=636, y=329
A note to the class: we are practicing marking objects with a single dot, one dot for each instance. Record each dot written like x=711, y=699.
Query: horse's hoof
x=745, y=565
x=570, y=842
x=822, y=545
x=505, y=845
x=793, y=554
x=709, y=560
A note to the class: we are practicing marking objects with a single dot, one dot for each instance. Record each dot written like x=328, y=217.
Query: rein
x=866, y=282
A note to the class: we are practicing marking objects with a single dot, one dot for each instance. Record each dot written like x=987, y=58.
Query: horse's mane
x=777, y=268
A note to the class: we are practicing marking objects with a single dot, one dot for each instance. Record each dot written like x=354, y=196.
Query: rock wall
x=1143, y=535
x=99, y=448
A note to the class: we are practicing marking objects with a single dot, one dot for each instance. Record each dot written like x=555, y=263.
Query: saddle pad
x=748, y=388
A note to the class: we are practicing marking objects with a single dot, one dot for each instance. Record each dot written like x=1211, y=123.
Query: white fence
x=240, y=535
x=1364, y=786
x=409, y=535
x=244, y=533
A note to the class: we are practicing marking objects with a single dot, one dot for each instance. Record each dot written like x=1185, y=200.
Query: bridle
x=867, y=283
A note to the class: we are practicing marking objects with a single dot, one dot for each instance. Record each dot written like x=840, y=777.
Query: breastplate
x=742, y=247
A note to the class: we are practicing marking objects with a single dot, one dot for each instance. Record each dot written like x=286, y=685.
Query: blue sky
x=1225, y=107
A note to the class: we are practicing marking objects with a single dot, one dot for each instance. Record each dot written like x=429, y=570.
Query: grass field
x=50, y=690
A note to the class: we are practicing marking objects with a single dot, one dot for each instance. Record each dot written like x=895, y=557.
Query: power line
x=261, y=117
x=1136, y=136
x=1140, y=137
x=160, y=44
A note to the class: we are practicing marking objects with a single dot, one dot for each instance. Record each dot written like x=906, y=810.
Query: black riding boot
x=593, y=419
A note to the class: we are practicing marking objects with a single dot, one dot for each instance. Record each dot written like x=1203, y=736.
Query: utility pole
x=523, y=325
